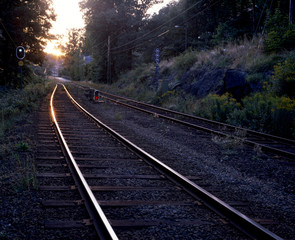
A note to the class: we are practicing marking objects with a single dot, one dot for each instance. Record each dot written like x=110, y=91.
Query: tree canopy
x=23, y=23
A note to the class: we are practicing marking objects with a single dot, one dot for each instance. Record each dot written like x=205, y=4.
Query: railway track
x=268, y=143
x=130, y=194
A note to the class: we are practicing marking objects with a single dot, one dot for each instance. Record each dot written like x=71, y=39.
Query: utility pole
x=253, y=18
x=186, y=29
x=291, y=11
x=109, y=80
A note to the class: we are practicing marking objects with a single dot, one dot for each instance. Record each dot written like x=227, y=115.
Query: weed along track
x=128, y=193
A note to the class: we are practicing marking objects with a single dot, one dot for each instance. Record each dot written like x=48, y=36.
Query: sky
x=69, y=16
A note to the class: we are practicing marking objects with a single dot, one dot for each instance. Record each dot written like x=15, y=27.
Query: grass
x=230, y=145
x=16, y=106
x=118, y=116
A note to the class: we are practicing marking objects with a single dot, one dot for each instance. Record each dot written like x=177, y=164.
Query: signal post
x=20, y=54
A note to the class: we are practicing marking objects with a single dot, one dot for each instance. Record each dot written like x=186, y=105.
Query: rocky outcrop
x=236, y=84
x=207, y=82
x=202, y=82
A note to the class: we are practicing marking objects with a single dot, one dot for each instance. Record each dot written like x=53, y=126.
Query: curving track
x=132, y=195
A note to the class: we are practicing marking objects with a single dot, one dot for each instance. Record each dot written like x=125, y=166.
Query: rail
x=249, y=133
x=236, y=218
x=101, y=223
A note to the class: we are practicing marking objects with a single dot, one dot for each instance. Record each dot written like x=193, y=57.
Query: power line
x=261, y=16
x=7, y=33
x=159, y=35
x=155, y=29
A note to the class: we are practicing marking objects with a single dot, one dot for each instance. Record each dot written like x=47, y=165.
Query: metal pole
x=291, y=11
x=3, y=118
x=109, y=61
x=21, y=77
x=186, y=29
x=253, y=12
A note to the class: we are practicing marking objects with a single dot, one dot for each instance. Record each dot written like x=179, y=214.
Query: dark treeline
x=24, y=23
x=121, y=30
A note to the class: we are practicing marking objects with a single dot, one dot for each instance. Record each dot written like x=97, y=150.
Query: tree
x=24, y=23
x=73, y=64
x=122, y=20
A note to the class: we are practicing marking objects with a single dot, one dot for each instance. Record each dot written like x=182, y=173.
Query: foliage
x=225, y=33
x=16, y=103
x=261, y=112
x=281, y=34
x=185, y=61
x=255, y=77
x=267, y=113
x=284, y=77
x=24, y=23
x=22, y=147
x=217, y=107
x=73, y=63
x=121, y=21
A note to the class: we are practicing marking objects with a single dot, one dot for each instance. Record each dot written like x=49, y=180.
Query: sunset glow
x=51, y=48
x=157, y=7
x=69, y=16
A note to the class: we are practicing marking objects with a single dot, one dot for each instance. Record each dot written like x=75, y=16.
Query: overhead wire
x=265, y=3
x=159, y=35
x=8, y=34
x=155, y=29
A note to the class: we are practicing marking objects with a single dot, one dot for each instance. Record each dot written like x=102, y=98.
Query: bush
x=284, y=77
x=262, y=112
x=255, y=78
x=217, y=107
x=16, y=103
x=266, y=113
x=224, y=33
x=185, y=62
x=281, y=34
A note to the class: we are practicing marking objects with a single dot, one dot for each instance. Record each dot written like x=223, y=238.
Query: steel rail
x=249, y=142
x=236, y=218
x=290, y=141
x=101, y=223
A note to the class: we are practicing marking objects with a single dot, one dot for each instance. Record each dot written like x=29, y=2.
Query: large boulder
x=208, y=82
x=236, y=84
x=204, y=81
x=199, y=82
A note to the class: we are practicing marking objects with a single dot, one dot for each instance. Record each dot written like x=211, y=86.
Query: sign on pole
x=157, y=57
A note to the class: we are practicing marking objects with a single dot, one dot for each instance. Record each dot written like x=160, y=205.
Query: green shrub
x=217, y=107
x=224, y=33
x=265, y=63
x=255, y=78
x=281, y=34
x=273, y=42
x=15, y=103
x=284, y=77
x=185, y=62
x=266, y=113
x=262, y=112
